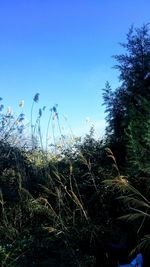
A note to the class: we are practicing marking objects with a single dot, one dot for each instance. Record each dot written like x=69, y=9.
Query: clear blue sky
x=62, y=49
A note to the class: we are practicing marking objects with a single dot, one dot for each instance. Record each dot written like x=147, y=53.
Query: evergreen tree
x=128, y=107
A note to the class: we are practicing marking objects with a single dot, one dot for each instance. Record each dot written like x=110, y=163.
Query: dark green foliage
x=128, y=107
x=128, y=131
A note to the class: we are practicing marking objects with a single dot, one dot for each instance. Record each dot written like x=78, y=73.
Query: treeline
x=89, y=205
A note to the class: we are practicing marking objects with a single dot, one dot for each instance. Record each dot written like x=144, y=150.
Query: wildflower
x=40, y=112
x=36, y=97
x=21, y=104
x=54, y=109
x=1, y=98
x=9, y=110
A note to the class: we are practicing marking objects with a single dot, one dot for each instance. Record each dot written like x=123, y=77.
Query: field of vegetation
x=83, y=203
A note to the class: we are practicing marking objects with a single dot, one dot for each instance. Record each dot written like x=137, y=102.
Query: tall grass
x=137, y=204
x=59, y=198
x=41, y=191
